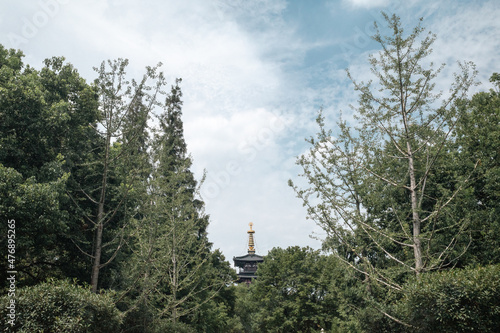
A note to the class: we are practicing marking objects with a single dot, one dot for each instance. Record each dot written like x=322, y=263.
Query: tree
x=460, y=300
x=80, y=172
x=215, y=312
x=295, y=291
x=172, y=266
x=39, y=230
x=476, y=137
x=120, y=103
x=245, y=308
x=44, y=113
x=381, y=198
x=44, y=131
x=60, y=306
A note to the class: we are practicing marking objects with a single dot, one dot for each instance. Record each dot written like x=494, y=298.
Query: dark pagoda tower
x=248, y=263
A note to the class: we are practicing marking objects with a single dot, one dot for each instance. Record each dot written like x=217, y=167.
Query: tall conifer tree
x=172, y=266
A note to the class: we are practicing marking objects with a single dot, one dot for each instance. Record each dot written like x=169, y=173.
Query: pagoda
x=248, y=263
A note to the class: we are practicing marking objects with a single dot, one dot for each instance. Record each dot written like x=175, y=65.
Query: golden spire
x=251, y=244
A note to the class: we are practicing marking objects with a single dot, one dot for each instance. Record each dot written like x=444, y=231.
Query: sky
x=254, y=75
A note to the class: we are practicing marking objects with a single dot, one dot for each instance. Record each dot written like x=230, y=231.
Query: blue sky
x=254, y=75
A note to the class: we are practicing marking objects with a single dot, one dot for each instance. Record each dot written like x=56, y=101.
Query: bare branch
x=82, y=251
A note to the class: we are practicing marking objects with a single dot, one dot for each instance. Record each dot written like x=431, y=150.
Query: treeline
x=110, y=231
x=96, y=177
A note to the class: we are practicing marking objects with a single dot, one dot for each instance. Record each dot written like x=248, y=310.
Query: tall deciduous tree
x=380, y=196
x=124, y=108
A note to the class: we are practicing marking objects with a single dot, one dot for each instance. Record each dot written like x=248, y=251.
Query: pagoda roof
x=250, y=257
x=245, y=276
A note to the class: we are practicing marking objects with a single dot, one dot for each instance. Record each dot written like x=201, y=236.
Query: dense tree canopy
x=477, y=142
x=295, y=291
x=45, y=119
x=100, y=196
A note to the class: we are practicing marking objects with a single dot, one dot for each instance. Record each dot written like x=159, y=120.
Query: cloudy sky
x=254, y=75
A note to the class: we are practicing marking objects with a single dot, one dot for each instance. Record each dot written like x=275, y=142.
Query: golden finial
x=251, y=244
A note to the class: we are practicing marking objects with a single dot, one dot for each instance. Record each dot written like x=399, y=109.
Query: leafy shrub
x=459, y=300
x=166, y=325
x=59, y=306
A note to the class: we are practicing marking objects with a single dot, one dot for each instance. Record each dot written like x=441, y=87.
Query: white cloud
x=242, y=137
x=242, y=65
x=472, y=34
x=367, y=4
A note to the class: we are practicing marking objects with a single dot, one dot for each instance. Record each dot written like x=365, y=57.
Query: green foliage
x=377, y=188
x=477, y=136
x=45, y=131
x=89, y=187
x=43, y=114
x=407, y=191
x=246, y=308
x=293, y=291
x=124, y=109
x=40, y=230
x=60, y=306
x=172, y=272
x=458, y=300
x=215, y=312
x=393, y=191
x=300, y=290
x=168, y=326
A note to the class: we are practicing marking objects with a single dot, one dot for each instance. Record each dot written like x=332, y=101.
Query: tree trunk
x=97, y=257
x=174, y=278
x=417, y=247
x=100, y=221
